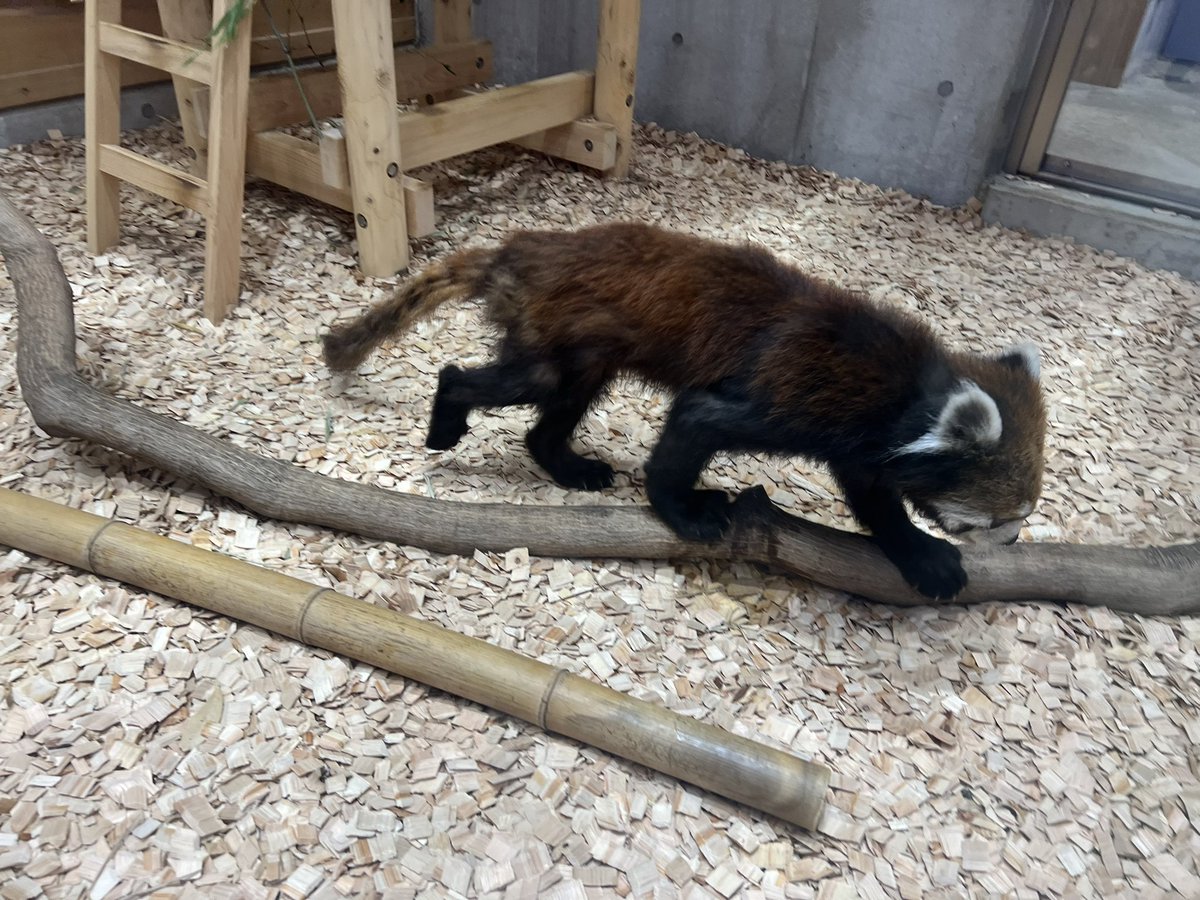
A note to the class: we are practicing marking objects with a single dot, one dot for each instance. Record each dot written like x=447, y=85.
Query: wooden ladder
x=218, y=195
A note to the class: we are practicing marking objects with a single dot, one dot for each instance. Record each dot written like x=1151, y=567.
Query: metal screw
x=479, y=62
x=392, y=170
x=361, y=220
x=588, y=144
x=629, y=100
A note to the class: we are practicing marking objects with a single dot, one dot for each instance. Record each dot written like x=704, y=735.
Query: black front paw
x=694, y=515
x=581, y=473
x=933, y=567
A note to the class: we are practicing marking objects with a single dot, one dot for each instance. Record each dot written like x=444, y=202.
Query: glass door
x=1115, y=106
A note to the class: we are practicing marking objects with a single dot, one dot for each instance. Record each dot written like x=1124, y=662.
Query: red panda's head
x=977, y=469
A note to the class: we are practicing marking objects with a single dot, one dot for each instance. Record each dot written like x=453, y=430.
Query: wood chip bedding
x=149, y=749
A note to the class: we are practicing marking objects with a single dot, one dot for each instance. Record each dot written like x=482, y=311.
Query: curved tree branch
x=1150, y=581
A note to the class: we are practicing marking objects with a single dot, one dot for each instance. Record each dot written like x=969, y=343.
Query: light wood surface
x=363, y=35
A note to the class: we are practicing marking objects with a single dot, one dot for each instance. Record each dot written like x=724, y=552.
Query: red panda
x=760, y=357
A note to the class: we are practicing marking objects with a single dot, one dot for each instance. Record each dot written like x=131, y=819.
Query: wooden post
x=616, y=71
x=188, y=21
x=362, y=32
x=226, y=168
x=102, y=125
x=451, y=21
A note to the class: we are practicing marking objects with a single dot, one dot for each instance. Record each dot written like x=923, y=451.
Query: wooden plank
x=102, y=118
x=589, y=143
x=275, y=100
x=226, y=169
x=314, y=40
x=331, y=146
x=367, y=73
x=188, y=22
x=179, y=187
x=158, y=52
x=492, y=117
x=1108, y=42
x=616, y=73
x=295, y=164
x=451, y=21
x=418, y=207
x=41, y=56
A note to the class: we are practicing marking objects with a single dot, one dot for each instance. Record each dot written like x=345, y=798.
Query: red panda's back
x=675, y=309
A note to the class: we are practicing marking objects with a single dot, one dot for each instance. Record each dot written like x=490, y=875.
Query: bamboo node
x=308, y=602
x=544, y=705
x=91, y=544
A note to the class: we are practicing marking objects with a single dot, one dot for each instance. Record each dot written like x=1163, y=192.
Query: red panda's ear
x=969, y=419
x=1025, y=357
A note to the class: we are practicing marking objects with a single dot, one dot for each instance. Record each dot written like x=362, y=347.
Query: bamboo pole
x=726, y=764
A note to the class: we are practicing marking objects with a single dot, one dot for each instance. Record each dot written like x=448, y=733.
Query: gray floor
x=1143, y=136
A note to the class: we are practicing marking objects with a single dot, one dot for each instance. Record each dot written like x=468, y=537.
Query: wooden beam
x=275, y=100
x=479, y=120
x=157, y=52
x=151, y=175
x=335, y=167
x=226, y=169
x=418, y=207
x=587, y=142
x=451, y=21
x=42, y=42
x=102, y=118
x=616, y=73
x=187, y=22
x=295, y=164
x=315, y=37
x=367, y=72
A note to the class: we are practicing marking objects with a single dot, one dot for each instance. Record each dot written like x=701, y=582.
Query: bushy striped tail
x=454, y=278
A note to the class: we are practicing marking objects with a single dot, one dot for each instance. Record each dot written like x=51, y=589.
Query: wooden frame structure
x=359, y=166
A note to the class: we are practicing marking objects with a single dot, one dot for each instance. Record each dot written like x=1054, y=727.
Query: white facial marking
x=953, y=517
x=970, y=416
x=974, y=527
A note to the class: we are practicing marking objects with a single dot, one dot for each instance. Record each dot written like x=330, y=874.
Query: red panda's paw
x=448, y=419
x=581, y=473
x=934, y=568
x=696, y=515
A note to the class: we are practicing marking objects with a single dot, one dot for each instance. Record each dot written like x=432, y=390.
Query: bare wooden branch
x=1150, y=581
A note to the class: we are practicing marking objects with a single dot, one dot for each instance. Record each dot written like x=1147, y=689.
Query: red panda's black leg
x=549, y=440
x=931, y=565
x=461, y=390
x=699, y=425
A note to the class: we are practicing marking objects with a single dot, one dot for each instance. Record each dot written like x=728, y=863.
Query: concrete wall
x=918, y=94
